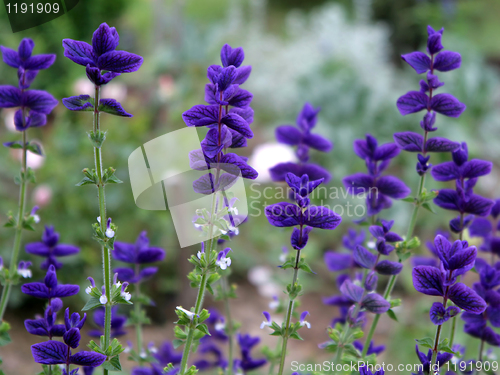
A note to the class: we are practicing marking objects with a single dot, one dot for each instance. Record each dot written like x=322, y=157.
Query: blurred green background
x=340, y=55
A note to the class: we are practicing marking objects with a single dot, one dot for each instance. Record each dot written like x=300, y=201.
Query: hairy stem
x=19, y=229
x=229, y=320
x=106, y=259
x=289, y=312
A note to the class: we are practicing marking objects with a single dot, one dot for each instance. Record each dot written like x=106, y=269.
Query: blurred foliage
x=340, y=55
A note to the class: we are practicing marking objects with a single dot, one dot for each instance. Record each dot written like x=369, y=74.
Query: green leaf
x=97, y=139
x=351, y=350
x=113, y=364
x=35, y=148
x=84, y=103
x=409, y=199
x=426, y=342
x=395, y=302
x=203, y=328
x=4, y=334
x=112, y=107
x=86, y=181
x=296, y=336
x=305, y=267
x=15, y=144
x=177, y=343
x=92, y=303
x=428, y=207
x=445, y=347
x=392, y=315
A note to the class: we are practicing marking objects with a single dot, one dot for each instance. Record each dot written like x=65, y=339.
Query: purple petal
x=467, y=299
x=364, y=258
x=104, y=39
x=25, y=48
x=392, y=187
x=375, y=303
x=386, y=151
x=358, y=183
x=64, y=249
x=79, y=103
x=151, y=255
x=242, y=99
x=38, y=248
x=62, y=291
x=112, y=107
x=447, y=199
x=438, y=314
x=463, y=260
x=337, y=262
x=91, y=359
x=387, y=267
x=283, y=214
x=376, y=231
x=39, y=101
x=298, y=239
x=288, y=135
x=412, y=102
x=317, y=142
x=119, y=62
x=321, y=217
x=36, y=327
x=480, y=227
x=72, y=337
x=38, y=290
x=10, y=57
x=476, y=168
x=241, y=74
x=39, y=62
x=147, y=272
x=78, y=52
x=434, y=43
x=235, y=164
x=477, y=205
x=10, y=96
x=210, y=144
x=237, y=140
x=409, y=141
x=230, y=56
x=446, y=171
x=49, y=352
x=126, y=274
x=439, y=144
x=447, y=60
x=124, y=252
x=447, y=105
x=238, y=123
x=98, y=79
x=428, y=280
x=418, y=61
x=315, y=172
x=352, y=291
x=201, y=115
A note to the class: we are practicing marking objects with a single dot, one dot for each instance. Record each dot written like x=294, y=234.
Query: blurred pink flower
x=42, y=195
x=33, y=161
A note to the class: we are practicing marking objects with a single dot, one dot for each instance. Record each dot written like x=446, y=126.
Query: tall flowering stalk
x=98, y=57
x=436, y=60
x=228, y=116
x=303, y=217
x=34, y=106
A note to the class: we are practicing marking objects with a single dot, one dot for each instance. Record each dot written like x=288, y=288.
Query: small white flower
x=126, y=295
x=283, y=257
x=223, y=263
x=199, y=254
x=219, y=326
x=88, y=289
x=103, y=299
x=26, y=273
x=99, y=219
x=127, y=349
x=153, y=349
x=273, y=305
x=268, y=322
x=36, y=218
x=190, y=314
x=110, y=233
x=303, y=322
x=371, y=245
x=143, y=354
x=223, y=231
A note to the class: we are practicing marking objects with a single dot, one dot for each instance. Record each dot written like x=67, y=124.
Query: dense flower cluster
x=303, y=139
x=379, y=190
x=465, y=173
x=228, y=116
x=426, y=99
x=487, y=230
x=34, y=105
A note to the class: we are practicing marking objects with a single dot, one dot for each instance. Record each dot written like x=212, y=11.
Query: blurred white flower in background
x=8, y=119
x=166, y=87
x=83, y=86
x=117, y=91
x=260, y=277
x=267, y=155
x=42, y=195
x=33, y=161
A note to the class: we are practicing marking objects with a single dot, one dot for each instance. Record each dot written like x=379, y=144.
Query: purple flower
x=425, y=360
x=379, y=190
x=482, y=227
x=365, y=370
x=137, y=254
x=301, y=214
x=49, y=288
x=45, y=326
x=302, y=138
x=247, y=362
x=50, y=248
x=27, y=65
x=372, y=349
x=102, y=55
x=118, y=323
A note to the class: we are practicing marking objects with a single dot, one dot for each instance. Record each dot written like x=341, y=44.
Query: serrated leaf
x=113, y=364
x=92, y=303
x=85, y=181
x=426, y=342
x=203, y=328
x=392, y=315
x=296, y=336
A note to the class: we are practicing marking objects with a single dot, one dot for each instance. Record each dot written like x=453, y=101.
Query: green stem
x=229, y=320
x=138, y=317
x=454, y=319
x=480, y=356
x=392, y=280
x=19, y=229
x=289, y=313
x=197, y=309
x=106, y=259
